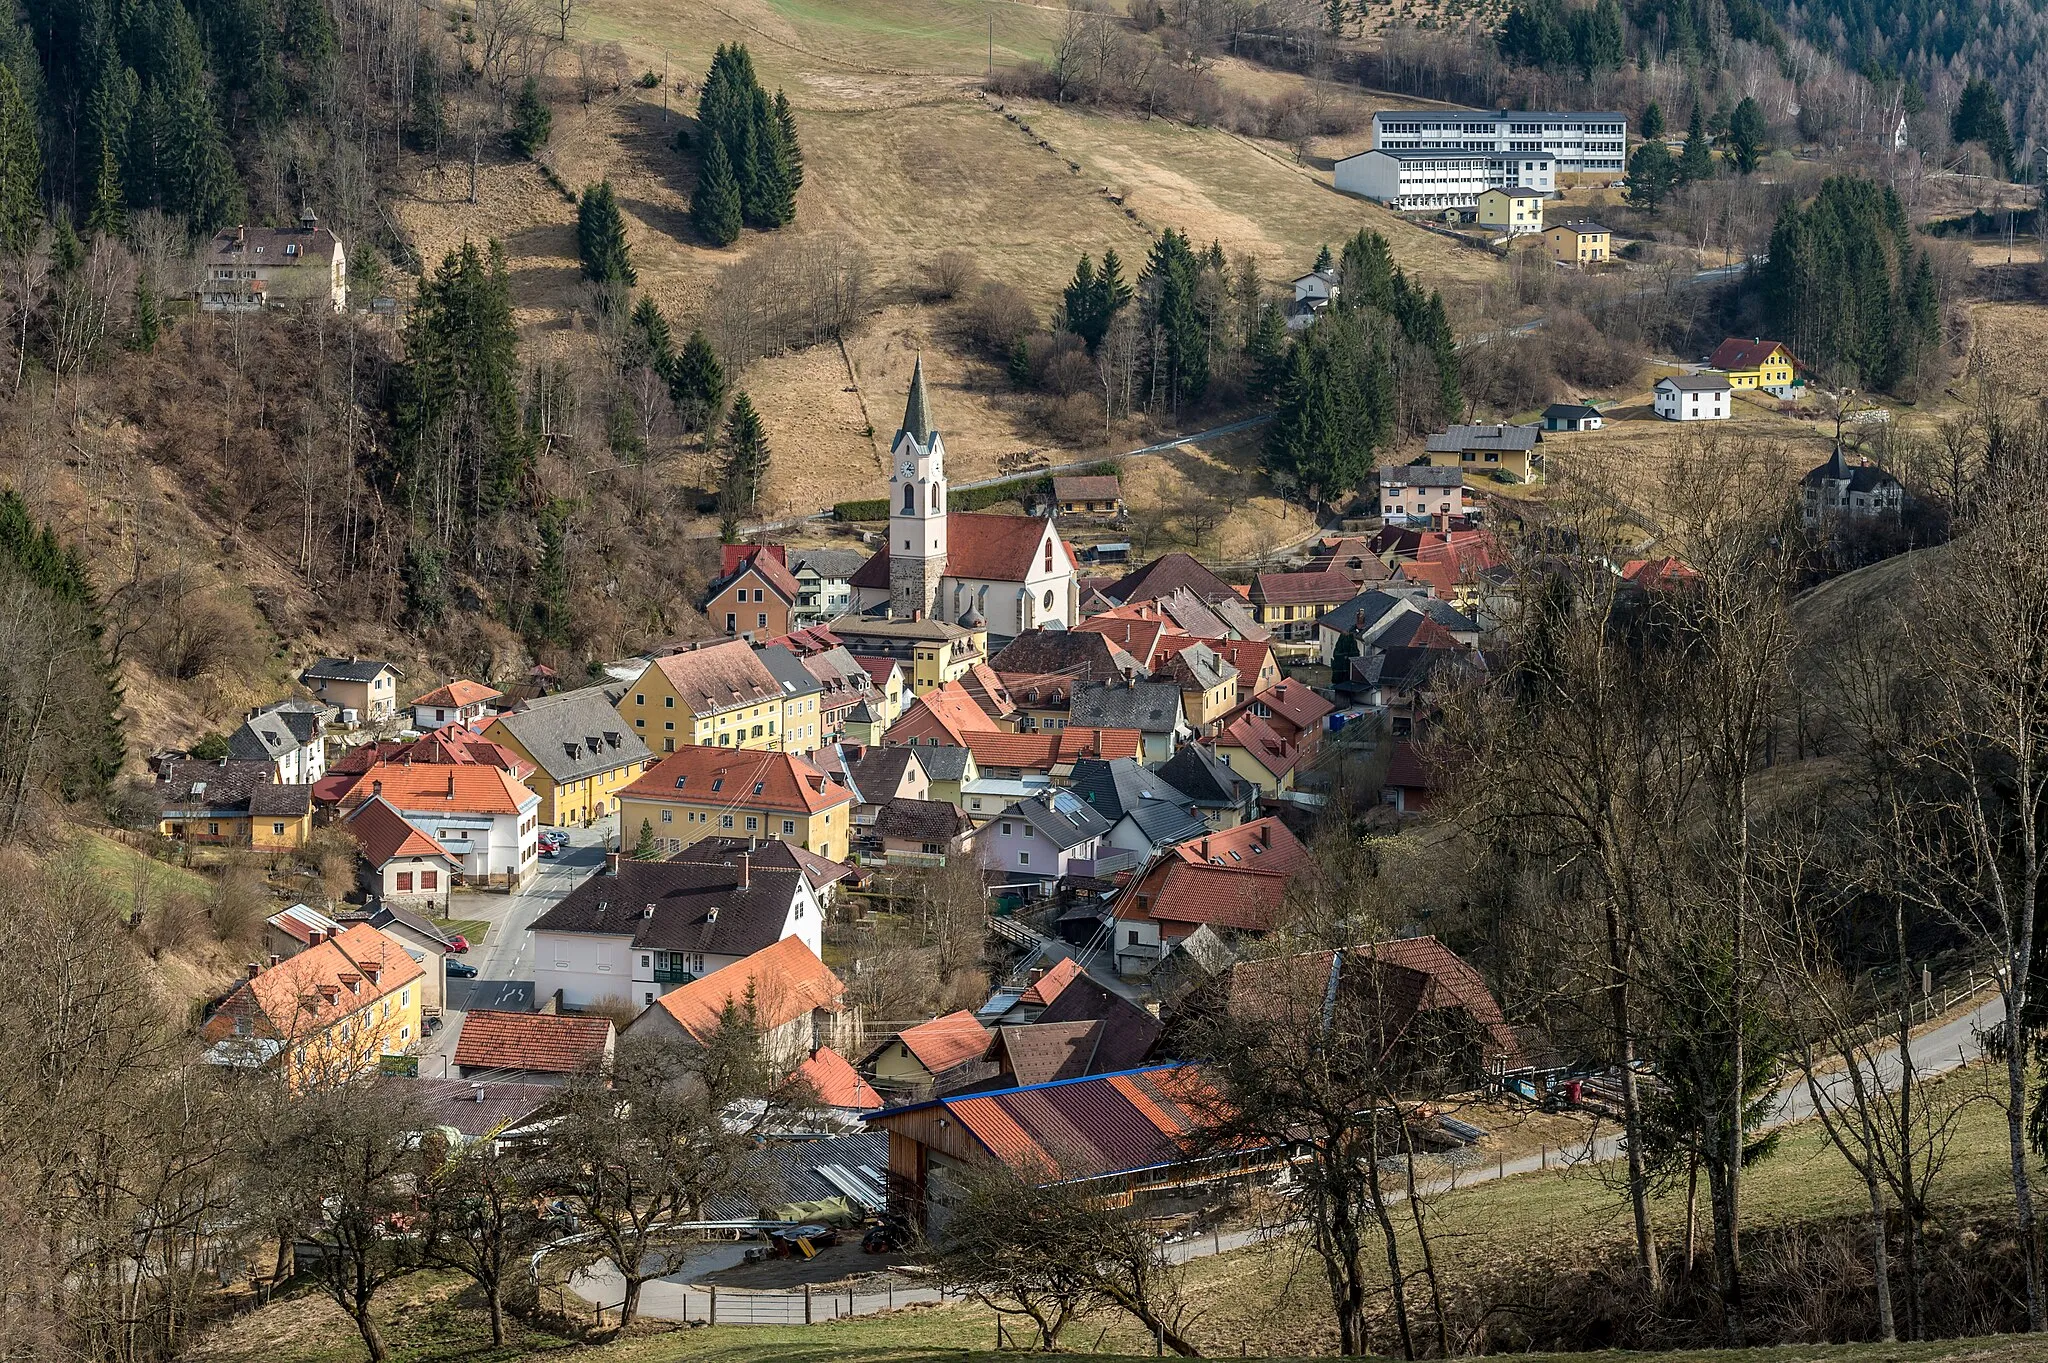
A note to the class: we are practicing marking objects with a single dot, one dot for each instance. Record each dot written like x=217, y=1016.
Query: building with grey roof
x=1153, y=708
x=585, y=751
x=287, y=735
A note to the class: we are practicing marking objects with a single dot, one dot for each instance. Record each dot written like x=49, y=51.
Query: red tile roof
x=785, y=982
x=1406, y=770
x=458, y=693
x=836, y=1082
x=450, y=745
x=699, y=774
x=980, y=545
x=1303, y=588
x=719, y=677
x=1657, y=574
x=1295, y=702
x=1047, y=987
x=1166, y=574
x=767, y=567
x=1736, y=353
x=1398, y=979
x=950, y=710
x=1235, y=878
x=1252, y=735
x=383, y=833
x=1139, y=638
x=878, y=669
x=441, y=788
x=310, y=992
x=946, y=1041
x=1043, y=752
x=546, y=1043
x=1248, y=656
x=1079, y=1128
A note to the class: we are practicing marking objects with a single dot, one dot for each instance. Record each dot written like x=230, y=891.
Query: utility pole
x=664, y=89
x=991, y=44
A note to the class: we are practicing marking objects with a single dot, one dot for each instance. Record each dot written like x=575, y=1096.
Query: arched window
x=1048, y=558
x=908, y=494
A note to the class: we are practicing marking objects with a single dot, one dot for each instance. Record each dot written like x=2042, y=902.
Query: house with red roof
x=943, y=1053
x=1235, y=881
x=1292, y=709
x=1658, y=574
x=1123, y=1132
x=1049, y=754
x=700, y=792
x=532, y=1048
x=1002, y=574
x=754, y=593
x=407, y=867
x=836, y=1083
x=1258, y=753
x=797, y=1004
x=459, y=702
x=1755, y=363
x=942, y=717
x=479, y=814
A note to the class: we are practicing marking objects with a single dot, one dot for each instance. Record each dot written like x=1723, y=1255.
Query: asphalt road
x=505, y=960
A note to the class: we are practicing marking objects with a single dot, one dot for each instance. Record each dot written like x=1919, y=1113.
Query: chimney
x=376, y=789
x=611, y=863
x=746, y=866
x=477, y=1092
x=255, y=969
x=647, y=912
x=275, y=960
x=314, y=937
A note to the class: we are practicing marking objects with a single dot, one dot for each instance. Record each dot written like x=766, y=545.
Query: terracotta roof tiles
x=545, y=1043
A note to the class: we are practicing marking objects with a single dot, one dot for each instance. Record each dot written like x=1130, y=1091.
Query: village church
x=1007, y=574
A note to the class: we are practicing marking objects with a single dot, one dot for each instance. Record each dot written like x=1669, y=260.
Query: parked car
x=550, y=850
x=461, y=970
x=553, y=837
x=458, y=944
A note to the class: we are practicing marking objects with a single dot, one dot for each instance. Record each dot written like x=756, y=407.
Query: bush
x=1065, y=368
x=1074, y=419
x=950, y=274
x=1582, y=356
x=1000, y=316
x=649, y=80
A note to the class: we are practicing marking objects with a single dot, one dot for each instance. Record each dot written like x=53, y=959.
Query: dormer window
x=291, y=248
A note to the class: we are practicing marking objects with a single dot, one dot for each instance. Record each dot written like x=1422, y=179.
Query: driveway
x=504, y=962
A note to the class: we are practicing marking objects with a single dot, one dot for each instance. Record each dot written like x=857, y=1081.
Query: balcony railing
x=673, y=975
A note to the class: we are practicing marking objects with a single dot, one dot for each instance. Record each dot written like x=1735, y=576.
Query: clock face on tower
x=906, y=470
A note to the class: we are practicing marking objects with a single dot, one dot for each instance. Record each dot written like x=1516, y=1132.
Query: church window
x=908, y=494
x=1048, y=559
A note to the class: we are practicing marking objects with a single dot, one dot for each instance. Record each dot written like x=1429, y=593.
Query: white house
x=1007, y=574
x=266, y=267
x=459, y=702
x=1693, y=397
x=288, y=735
x=481, y=815
x=1577, y=143
x=1409, y=179
x=644, y=928
x=1042, y=839
x=1410, y=492
x=1316, y=285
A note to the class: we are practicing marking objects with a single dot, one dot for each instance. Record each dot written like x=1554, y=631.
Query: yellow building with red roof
x=698, y=792
x=324, y=1014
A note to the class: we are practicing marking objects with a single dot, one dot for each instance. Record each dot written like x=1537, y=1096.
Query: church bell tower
x=917, y=508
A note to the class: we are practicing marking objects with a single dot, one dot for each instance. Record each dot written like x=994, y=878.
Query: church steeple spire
x=917, y=412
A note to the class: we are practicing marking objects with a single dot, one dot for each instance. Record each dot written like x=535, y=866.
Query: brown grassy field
x=906, y=158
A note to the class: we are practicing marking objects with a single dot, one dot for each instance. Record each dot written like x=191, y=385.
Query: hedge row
x=964, y=499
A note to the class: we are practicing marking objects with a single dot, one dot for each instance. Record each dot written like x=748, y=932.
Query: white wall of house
x=1011, y=845
x=416, y=883
x=493, y=847
x=585, y=966
x=427, y=718
x=1676, y=404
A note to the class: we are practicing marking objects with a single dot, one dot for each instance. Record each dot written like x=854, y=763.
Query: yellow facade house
x=700, y=792
x=1756, y=363
x=932, y=652
x=1579, y=243
x=714, y=695
x=1512, y=212
x=329, y=1012
x=231, y=802
x=583, y=752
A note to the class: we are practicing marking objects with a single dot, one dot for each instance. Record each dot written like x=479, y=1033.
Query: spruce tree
x=696, y=383
x=195, y=174
x=1652, y=126
x=1267, y=350
x=426, y=119
x=21, y=168
x=746, y=454
x=107, y=216
x=651, y=344
x=601, y=239
x=1652, y=175
x=1078, y=305
x=1324, y=260
x=715, y=204
x=785, y=118
x=1696, y=162
x=1980, y=117
x=532, y=120
x=643, y=849
x=148, y=320
x=1112, y=290
x=1746, y=132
